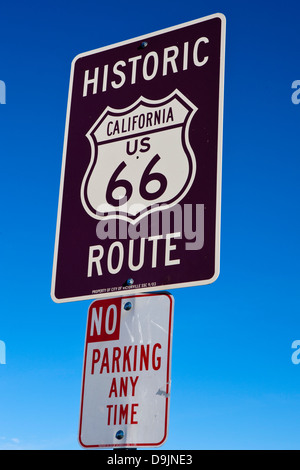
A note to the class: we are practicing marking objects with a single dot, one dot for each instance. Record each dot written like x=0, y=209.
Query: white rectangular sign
x=126, y=372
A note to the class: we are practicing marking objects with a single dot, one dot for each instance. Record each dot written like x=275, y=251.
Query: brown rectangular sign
x=139, y=204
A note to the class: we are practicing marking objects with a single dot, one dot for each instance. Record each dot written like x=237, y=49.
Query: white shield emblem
x=141, y=159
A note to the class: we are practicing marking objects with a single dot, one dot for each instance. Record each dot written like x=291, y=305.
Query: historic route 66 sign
x=140, y=192
x=132, y=152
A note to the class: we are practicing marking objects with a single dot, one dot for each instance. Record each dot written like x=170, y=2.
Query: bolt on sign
x=140, y=186
x=126, y=373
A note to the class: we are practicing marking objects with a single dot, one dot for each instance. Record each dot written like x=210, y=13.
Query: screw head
x=128, y=306
x=120, y=434
x=129, y=282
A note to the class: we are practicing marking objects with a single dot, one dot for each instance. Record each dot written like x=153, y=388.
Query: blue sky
x=234, y=385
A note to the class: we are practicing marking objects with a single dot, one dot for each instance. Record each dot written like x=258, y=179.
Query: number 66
x=147, y=178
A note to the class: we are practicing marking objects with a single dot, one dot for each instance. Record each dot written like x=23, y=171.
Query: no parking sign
x=127, y=372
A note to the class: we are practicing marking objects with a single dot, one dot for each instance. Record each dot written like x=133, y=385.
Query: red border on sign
x=167, y=380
